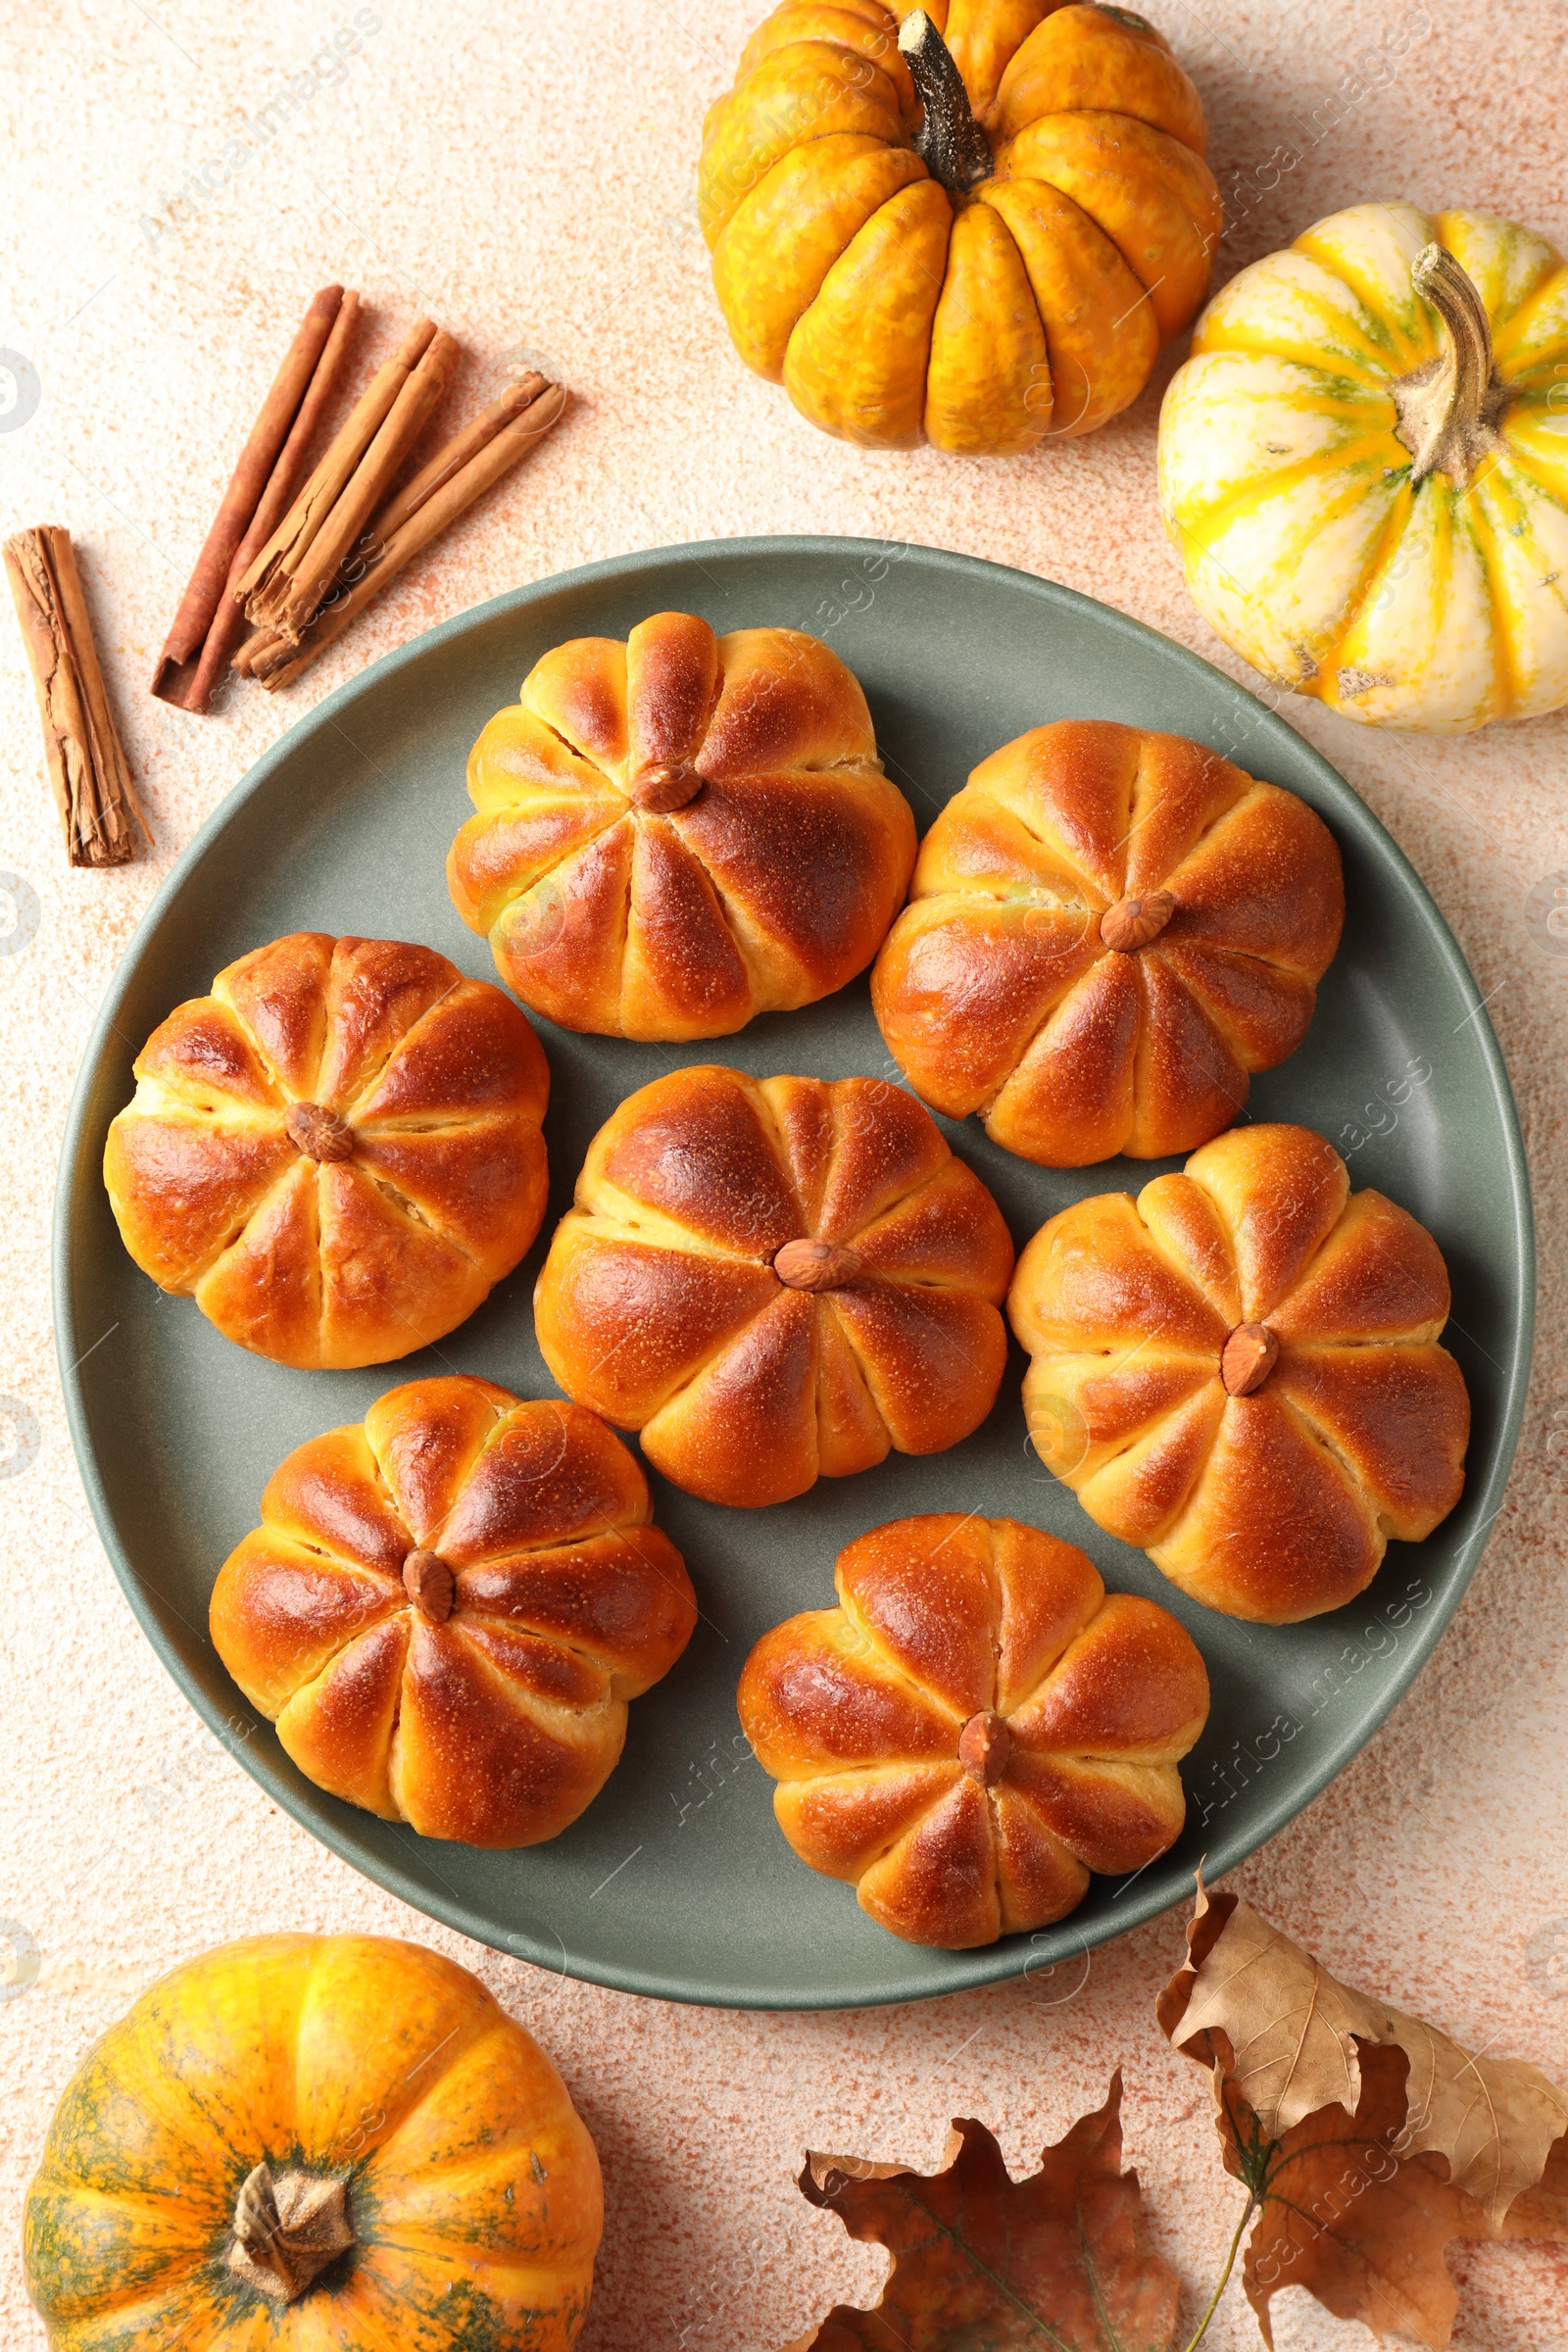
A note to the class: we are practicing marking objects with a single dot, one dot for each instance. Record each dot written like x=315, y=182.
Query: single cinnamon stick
x=290, y=611
x=228, y=623
x=248, y=481
x=87, y=764
x=266, y=581
x=519, y=395
x=273, y=663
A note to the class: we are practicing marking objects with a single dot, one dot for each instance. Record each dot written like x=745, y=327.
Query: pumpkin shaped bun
x=1109, y=930
x=976, y=1728
x=1240, y=1371
x=776, y=1281
x=307, y=2143
x=446, y=1609
x=337, y=1152
x=971, y=223
x=675, y=833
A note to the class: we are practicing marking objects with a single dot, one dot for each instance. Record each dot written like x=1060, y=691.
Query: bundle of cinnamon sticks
x=300, y=562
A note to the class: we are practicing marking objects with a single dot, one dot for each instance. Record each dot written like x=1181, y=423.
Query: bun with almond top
x=975, y=1728
x=776, y=1281
x=1240, y=1371
x=675, y=833
x=1108, y=931
x=336, y=1153
x=447, y=1607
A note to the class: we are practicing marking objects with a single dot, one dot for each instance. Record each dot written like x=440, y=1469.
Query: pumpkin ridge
x=1400, y=350
x=1385, y=547
x=1483, y=531
x=1523, y=461
x=1287, y=561
x=384, y=2156
x=1512, y=327
x=1251, y=492
x=1327, y=360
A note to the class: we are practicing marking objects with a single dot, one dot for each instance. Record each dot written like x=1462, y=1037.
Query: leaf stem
x=1247, y=2211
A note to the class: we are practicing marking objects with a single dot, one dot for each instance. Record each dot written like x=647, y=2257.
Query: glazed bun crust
x=1278, y=1502
x=677, y=832
x=434, y=1180
x=495, y=1724
x=999, y=995
x=857, y=1712
x=660, y=1305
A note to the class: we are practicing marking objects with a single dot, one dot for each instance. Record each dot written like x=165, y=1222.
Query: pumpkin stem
x=286, y=2232
x=950, y=142
x=1449, y=409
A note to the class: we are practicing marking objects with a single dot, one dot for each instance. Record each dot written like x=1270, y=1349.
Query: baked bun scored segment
x=1240, y=1371
x=976, y=1728
x=446, y=1609
x=336, y=1153
x=776, y=1280
x=675, y=833
x=1108, y=931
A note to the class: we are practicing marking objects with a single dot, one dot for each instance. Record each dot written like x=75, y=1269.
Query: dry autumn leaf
x=983, y=2262
x=1365, y=2138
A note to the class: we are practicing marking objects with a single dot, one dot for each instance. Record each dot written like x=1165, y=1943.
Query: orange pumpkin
x=315, y=2143
x=971, y=223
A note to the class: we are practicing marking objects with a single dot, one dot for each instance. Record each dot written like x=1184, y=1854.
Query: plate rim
x=988, y=1964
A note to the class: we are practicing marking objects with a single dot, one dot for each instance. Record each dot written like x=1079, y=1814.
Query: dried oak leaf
x=1368, y=2140
x=988, y=2264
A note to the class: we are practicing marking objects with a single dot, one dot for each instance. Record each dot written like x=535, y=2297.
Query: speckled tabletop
x=182, y=177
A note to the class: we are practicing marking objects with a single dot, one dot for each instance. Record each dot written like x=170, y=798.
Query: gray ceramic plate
x=676, y=1881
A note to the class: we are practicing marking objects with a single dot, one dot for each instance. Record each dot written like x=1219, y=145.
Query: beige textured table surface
x=525, y=172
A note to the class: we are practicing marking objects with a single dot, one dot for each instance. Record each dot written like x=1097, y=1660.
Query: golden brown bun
x=431, y=1183
x=857, y=1712
x=680, y=831
x=498, y=1721
x=998, y=993
x=1273, y=1502
x=659, y=1305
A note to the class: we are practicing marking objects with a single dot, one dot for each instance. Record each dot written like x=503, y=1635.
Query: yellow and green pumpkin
x=1364, y=466
x=314, y=2143
x=971, y=223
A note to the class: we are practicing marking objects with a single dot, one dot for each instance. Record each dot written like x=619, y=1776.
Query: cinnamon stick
x=228, y=623
x=519, y=395
x=271, y=658
x=264, y=584
x=87, y=764
x=257, y=460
